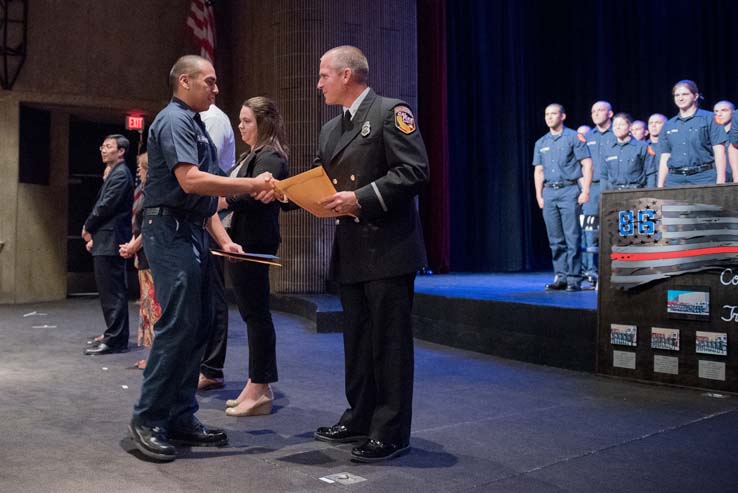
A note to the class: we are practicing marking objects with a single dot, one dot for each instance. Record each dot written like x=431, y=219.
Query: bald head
x=350, y=57
x=194, y=82
x=602, y=104
x=601, y=114
x=187, y=65
x=723, y=112
x=655, y=124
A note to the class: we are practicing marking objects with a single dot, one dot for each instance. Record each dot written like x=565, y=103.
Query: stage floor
x=480, y=423
x=509, y=315
x=526, y=288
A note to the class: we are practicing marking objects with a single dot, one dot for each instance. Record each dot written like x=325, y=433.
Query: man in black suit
x=107, y=227
x=376, y=159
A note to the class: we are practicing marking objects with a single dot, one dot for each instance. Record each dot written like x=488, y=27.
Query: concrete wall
x=103, y=58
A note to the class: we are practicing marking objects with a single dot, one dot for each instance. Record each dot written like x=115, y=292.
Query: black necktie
x=346, y=122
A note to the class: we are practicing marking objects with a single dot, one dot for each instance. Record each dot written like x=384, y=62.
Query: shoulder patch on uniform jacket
x=404, y=119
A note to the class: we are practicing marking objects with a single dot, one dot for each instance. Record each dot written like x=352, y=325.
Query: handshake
x=265, y=189
x=317, y=194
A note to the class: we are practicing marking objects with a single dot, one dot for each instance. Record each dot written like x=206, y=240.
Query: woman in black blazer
x=255, y=226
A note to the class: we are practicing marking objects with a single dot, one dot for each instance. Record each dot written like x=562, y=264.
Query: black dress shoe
x=556, y=286
x=152, y=442
x=94, y=340
x=338, y=434
x=103, y=348
x=573, y=287
x=197, y=435
x=375, y=451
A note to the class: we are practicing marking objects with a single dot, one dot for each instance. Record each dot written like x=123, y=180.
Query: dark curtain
x=507, y=60
x=432, y=120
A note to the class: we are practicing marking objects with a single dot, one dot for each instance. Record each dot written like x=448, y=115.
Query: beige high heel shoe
x=242, y=396
x=261, y=407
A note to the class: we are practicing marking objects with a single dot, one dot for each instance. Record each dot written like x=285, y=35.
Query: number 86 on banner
x=645, y=224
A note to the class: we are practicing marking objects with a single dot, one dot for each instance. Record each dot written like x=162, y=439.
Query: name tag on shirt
x=545, y=149
x=673, y=131
x=611, y=158
x=591, y=142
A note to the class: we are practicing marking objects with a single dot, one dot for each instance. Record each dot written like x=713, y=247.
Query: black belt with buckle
x=692, y=170
x=176, y=213
x=559, y=184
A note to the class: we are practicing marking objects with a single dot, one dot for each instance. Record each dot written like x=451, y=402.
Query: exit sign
x=134, y=122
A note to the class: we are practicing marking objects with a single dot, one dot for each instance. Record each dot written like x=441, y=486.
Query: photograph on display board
x=691, y=303
x=715, y=343
x=667, y=339
x=623, y=335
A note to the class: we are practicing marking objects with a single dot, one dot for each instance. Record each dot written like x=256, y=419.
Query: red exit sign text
x=134, y=122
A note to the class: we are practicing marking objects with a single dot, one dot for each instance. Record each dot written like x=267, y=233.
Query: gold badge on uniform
x=404, y=119
x=366, y=128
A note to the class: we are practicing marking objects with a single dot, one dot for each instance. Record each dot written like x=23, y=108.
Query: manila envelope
x=308, y=189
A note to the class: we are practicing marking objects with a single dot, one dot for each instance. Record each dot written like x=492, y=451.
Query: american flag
x=688, y=237
x=201, y=23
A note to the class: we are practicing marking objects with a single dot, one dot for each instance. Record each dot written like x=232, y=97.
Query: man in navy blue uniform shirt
x=655, y=124
x=560, y=158
x=599, y=138
x=624, y=159
x=723, y=111
x=179, y=211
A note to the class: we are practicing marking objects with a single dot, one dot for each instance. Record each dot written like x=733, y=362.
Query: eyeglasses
x=108, y=147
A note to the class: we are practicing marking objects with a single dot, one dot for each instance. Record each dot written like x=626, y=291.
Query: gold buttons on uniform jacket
x=335, y=182
x=353, y=178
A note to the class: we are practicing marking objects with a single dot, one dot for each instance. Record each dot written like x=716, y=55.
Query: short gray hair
x=347, y=56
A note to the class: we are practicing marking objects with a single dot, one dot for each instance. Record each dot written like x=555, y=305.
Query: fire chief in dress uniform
x=376, y=159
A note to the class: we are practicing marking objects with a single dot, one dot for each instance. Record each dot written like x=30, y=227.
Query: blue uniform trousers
x=705, y=178
x=561, y=215
x=178, y=255
x=591, y=238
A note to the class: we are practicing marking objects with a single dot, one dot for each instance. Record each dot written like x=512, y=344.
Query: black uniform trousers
x=178, y=255
x=378, y=347
x=110, y=276
x=215, y=350
x=250, y=281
